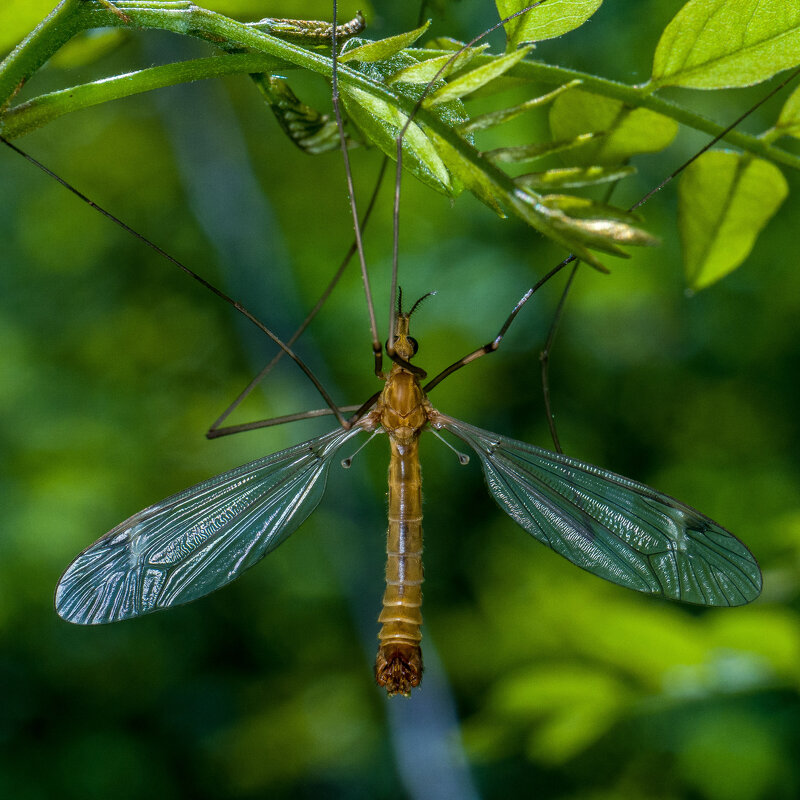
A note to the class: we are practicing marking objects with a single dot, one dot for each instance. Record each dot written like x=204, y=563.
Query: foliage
x=112, y=367
x=710, y=47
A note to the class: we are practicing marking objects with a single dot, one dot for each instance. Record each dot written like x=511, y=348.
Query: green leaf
x=381, y=123
x=566, y=707
x=493, y=118
x=574, y=223
x=530, y=152
x=18, y=17
x=627, y=131
x=724, y=200
x=381, y=120
x=716, y=44
x=470, y=175
x=445, y=43
x=385, y=48
x=546, y=21
x=476, y=78
x=599, y=225
x=578, y=224
x=789, y=120
x=572, y=177
x=426, y=71
x=446, y=160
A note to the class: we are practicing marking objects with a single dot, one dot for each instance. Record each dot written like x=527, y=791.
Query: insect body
x=403, y=411
x=199, y=540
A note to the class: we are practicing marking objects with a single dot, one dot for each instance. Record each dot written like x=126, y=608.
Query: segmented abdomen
x=398, y=666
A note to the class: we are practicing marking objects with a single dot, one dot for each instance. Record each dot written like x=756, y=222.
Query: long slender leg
x=377, y=348
x=717, y=138
x=215, y=430
x=492, y=345
x=390, y=351
x=269, y=423
x=544, y=356
x=192, y=274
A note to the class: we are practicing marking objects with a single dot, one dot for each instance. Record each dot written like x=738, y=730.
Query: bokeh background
x=542, y=681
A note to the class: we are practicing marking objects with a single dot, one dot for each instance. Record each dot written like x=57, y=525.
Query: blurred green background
x=542, y=681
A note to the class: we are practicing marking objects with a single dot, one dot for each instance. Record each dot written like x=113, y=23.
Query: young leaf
x=572, y=177
x=16, y=19
x=471, y=176
x=724, y=200
x=385, y=48
x=381, y=121
x=493, y=118
x=627, y=131
x=426, y=71
x=490, y=186
x=599, y=225
x=551, y=19
x=445, y=43
x=475, y=79
x=716, y=44
x=381, y=124
x=530, y=152
x=789, y=120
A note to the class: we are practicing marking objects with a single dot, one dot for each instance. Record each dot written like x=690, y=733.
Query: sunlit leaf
x=572, y=177
x=382, y=123
x=426, y=71
x=545, y=21
x=18, y=17
x=529, y=152
x=789, y=119
x=471, y=176
x=575, y=235
x=385, y=48
x=627, y=130
x=569, y=707
x=584, y=208
x=493, y=118
x=476, y=78
x=725, y=199
x=435, y=160
x=597, y=224
x=714, y=44
x=445, y=43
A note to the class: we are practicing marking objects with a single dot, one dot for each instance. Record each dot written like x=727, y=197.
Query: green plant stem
x=637, y=97
x=40, y=44
x=184, y=18
x=29, y=116
x=73, y=16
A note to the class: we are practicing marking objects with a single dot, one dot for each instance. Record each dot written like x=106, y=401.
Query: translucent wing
x=618, y=529
x=198, y=540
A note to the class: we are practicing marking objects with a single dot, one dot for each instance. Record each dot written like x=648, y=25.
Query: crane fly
x=202, y=538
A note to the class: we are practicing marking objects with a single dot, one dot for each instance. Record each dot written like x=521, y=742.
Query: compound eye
x=414, y=344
